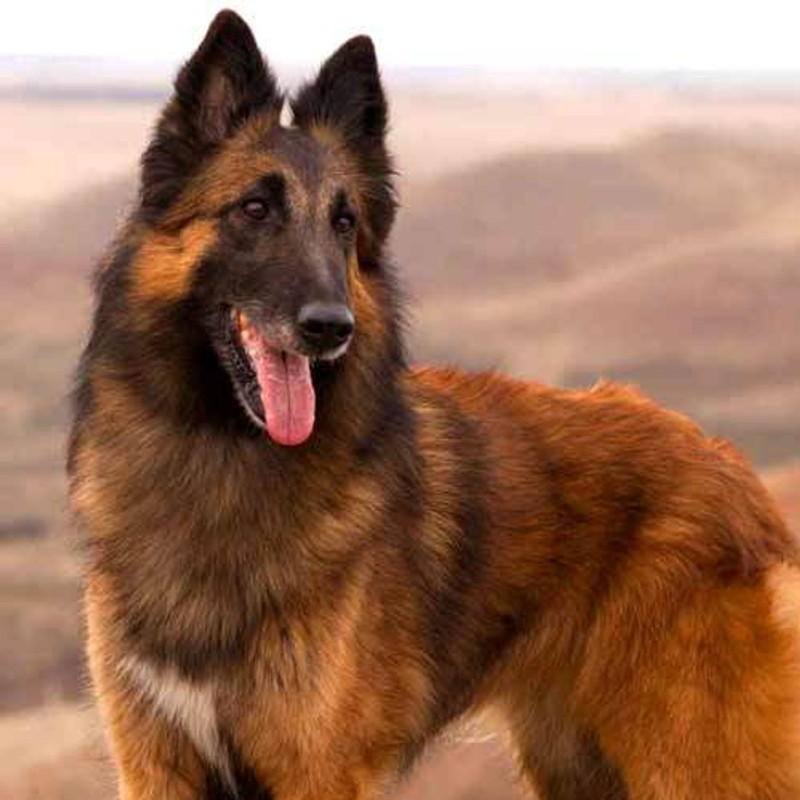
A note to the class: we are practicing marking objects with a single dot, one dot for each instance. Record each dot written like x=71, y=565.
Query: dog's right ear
x=224, y=83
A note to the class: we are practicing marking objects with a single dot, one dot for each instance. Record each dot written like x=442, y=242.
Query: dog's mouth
x=273, y=384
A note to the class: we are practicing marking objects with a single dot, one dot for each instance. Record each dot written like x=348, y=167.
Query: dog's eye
x=344, y=223
x=255, y=209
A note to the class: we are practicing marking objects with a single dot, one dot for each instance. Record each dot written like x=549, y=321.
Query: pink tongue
x=287, y=394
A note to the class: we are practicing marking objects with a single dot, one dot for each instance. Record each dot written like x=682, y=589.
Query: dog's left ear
x=347, y=97
x=225, y=82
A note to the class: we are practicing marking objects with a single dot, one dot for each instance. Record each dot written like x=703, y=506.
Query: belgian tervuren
x=305, y=557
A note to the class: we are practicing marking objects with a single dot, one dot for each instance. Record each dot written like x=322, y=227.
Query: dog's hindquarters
x=701, y=698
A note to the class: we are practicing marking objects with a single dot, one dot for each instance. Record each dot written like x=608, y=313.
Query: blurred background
x=589, y=190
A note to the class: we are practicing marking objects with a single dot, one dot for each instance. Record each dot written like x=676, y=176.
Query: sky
x=695, y=35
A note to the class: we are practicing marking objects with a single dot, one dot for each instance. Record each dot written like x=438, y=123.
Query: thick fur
x=296, y=623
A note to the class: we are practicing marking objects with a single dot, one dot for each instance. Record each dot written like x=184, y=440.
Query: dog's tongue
x=287, y=394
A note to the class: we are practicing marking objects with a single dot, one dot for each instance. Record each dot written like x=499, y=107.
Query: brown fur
x=619, y=585
x=165, y=263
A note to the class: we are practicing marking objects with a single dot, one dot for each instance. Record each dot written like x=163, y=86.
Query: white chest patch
x=189, y=705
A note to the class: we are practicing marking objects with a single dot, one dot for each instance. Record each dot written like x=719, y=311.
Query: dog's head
x=272, y=235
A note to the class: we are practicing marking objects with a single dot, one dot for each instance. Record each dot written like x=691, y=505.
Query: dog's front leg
x=155, y=760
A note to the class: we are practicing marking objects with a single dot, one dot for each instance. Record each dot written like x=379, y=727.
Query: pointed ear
x=347, y=97
x=224, y=83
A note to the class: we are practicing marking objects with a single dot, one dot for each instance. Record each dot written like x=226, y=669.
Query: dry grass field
x=563, y=233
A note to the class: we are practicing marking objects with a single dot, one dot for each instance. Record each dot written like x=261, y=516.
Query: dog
x=306, y=558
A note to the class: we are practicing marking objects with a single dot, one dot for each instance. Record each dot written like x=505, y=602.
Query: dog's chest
x=189, y=705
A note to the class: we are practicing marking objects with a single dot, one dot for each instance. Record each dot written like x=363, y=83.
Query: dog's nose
x=326, y=326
